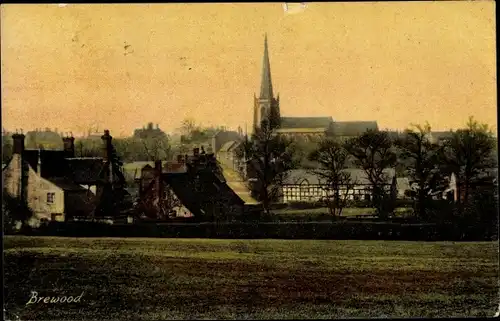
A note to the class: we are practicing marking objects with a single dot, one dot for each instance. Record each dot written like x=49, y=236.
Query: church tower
x=266, y=107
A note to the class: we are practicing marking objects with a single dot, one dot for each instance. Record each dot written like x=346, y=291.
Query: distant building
x=304, y=186
x=43, y=139
x=267, y=108
x=149, y=132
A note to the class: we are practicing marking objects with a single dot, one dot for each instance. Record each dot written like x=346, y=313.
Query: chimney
x=196, y=152
x=69, y=146
x=158, y=183
x=18, y=140
x=106, y=140
x=180, y=159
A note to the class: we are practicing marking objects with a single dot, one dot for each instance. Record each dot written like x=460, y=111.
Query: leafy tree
x=333, y=160
x=421, y=158
x=467, y=154
x=373, y=152
x=269, y=159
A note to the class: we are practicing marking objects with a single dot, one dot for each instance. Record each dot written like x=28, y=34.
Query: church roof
x=305, y=122
x=353, y=128
x=266, y=86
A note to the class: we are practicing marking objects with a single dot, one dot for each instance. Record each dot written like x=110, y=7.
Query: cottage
x=305, y=186
x=191, y=186
x=56, y=185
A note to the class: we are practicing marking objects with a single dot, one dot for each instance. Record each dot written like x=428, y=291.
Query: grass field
x=322, y=213
x=152, y=279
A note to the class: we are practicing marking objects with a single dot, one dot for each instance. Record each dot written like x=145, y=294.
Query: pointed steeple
x=266, y=86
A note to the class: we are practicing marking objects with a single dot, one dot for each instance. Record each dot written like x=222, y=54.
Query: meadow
x=153, y=279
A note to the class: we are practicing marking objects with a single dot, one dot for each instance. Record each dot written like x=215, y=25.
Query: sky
x=119, y=66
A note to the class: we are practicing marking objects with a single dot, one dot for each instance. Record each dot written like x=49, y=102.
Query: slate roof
x=305, y=122
x=53, y=163
x=65, y=184
x=84, y=170
x=32, y=157
x=353, y=128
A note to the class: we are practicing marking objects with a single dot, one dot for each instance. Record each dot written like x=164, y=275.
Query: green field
x=322, y=213
x=153, y=279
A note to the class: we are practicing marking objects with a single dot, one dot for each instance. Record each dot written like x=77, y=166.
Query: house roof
x=298, y=176
x=353, y=128
x=85, y=170
x=65, y=184
x=305, y=122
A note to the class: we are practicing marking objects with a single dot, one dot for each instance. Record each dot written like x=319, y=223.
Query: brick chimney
x=106, y=145
x=106, y=155
x=196, y=152
x=69, y=146
x=158, y=182
x=18, y=141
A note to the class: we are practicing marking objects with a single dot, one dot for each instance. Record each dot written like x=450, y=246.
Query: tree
x=333, y=160
x=188, y=126
x=157, y=148
x=467, y=154
x=87, y=148
x=269, y=159
x=373, y=152
x=421, y=158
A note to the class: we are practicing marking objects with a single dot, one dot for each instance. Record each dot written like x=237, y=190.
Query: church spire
x=266, y=86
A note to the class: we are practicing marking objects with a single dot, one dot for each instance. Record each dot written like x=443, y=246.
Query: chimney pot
x=18, y=142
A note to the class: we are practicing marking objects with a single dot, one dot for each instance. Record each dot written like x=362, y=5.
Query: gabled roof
x=305, y=122
x=85, y=170
x=353, y=128
x=297, y=176
x=65, y=184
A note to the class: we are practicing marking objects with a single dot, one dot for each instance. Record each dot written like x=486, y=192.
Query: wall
x=37, y=190
x=11, y=177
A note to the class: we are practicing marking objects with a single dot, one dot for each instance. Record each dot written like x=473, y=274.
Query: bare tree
x=333, y=159
x=157, y=148
x=188, y=126
x=373, y=152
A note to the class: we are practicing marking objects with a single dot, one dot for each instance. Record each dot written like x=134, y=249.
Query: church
x=267, y=107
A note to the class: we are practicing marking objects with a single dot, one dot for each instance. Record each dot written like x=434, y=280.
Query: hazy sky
x=397, y=63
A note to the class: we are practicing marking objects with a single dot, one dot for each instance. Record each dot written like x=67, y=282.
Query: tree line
x=468, y=153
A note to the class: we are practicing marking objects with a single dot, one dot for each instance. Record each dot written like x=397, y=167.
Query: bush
x=16, y=214
x=342, y=230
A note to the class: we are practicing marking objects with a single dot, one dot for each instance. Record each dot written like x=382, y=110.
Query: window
x=51, y=197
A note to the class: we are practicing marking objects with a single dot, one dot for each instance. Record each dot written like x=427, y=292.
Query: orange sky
x=395, y=62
